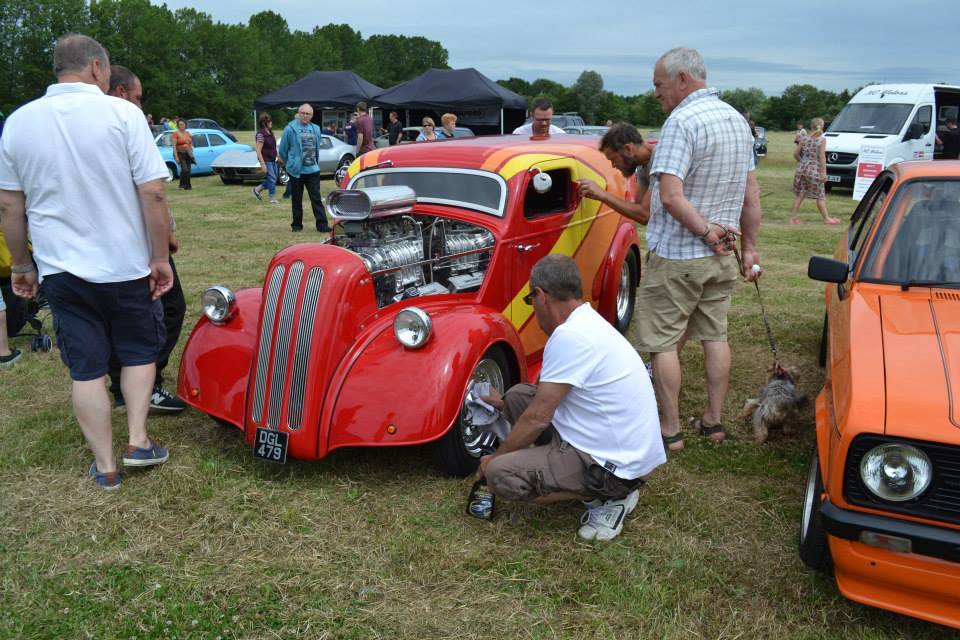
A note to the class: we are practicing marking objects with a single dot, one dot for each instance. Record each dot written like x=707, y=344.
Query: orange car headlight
x=896, y=472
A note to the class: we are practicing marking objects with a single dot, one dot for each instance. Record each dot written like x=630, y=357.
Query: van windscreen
x=871, y=118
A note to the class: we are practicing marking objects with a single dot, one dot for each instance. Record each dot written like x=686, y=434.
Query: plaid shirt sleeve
x=674, y=150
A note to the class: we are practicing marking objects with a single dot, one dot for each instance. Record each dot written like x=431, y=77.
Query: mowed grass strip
x=373, y=543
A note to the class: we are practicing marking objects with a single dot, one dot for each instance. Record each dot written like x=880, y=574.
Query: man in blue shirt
x=298, y=153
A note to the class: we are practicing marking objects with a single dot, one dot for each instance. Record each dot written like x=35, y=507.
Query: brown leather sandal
x=675, y=439
x=709, y=431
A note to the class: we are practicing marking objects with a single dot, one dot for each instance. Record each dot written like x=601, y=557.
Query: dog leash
x=729, y=238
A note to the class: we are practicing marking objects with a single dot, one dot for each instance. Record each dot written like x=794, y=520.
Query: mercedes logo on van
x=833, y=156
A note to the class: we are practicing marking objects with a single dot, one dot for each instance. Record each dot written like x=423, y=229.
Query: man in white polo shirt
x=87, y=167
x=595, y=392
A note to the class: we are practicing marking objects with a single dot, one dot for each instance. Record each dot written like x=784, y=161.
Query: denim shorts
x=93, y=320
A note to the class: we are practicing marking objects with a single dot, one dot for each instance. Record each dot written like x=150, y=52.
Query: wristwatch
x=23, y=268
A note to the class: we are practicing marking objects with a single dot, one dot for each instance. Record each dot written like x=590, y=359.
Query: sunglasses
x=528, y=299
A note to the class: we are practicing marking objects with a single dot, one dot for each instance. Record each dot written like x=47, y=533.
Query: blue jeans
x=270, y=181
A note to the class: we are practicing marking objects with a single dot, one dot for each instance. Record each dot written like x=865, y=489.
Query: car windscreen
x=477, y=190
x=887, y=118
x=918, y=240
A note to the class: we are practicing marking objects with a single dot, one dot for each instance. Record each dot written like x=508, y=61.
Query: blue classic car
x=208, y=144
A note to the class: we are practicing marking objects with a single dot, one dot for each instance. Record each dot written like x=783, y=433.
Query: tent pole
x=501, y=120
x=254, y=120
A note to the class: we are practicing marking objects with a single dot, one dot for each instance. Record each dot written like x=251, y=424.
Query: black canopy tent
x=478, y=101
x=323, y=90
x=334, y=89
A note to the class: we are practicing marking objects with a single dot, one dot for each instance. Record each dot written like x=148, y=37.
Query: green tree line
x=193, y=66
x=588, y=97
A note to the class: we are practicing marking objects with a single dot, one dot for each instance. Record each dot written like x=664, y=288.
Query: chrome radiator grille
x=301, y=354
x=276, y=348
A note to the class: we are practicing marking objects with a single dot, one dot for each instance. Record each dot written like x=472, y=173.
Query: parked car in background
x=207, y=123
x=237, y=167
x=420, y=287
x=587, y=130
x=208, y=145
x=882, y=499
x=410, y=134
x=243, y=166
x=760, y=142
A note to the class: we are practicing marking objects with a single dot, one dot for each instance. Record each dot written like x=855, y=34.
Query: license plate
x=271, y=445
x=831, y=178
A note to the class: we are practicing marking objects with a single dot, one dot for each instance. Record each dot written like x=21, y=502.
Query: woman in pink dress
x=811, y=157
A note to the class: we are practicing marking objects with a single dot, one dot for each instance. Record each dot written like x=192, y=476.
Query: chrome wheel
x=623, y=294
x=474, y=437
x=813, y=548
x=809, y=498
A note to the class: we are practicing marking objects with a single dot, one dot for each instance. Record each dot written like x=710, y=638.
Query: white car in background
x=236, y=167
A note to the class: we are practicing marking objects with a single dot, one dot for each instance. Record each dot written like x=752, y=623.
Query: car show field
x=374, y=542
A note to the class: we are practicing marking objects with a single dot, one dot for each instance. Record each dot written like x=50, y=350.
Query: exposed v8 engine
x=414, y=255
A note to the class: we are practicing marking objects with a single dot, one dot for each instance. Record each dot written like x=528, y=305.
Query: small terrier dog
x=777, y=405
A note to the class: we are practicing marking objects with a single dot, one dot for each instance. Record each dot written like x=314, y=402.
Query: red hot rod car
x=375, y=336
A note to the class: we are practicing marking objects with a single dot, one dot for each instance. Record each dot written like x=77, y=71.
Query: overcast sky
x=832, y=44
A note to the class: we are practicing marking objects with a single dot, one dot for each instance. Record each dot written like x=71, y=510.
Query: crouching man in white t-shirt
x=595, y=392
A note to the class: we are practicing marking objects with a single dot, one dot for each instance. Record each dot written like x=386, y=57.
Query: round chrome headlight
x=412, y=327
x=219, y=304
x=896, y=472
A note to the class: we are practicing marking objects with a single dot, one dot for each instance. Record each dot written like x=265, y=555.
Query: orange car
x=882, y=498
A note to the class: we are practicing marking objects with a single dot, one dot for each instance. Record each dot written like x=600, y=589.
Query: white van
x=898, y=117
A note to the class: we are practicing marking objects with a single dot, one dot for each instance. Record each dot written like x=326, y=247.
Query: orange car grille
x=941, y=500
x=278, y=383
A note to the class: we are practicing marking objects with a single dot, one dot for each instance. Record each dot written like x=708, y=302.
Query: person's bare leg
x=666, y=382
x=822, y=208
x=716, y=362
x=4, y=344
x=137, y=385
x=91, y=404
x=795, y=209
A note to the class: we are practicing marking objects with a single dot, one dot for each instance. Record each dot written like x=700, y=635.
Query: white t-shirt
x=527, y=129
x=78, y=156
x=610, y=412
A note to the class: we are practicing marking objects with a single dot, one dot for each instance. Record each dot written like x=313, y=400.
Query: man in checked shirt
x=703, y=192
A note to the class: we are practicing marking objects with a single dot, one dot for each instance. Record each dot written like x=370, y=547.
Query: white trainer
x=605, y=522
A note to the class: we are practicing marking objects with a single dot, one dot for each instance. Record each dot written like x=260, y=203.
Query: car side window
x=325, y=142
x=166, y=140
x=866, y=214
x=216, y=140
x=200, y=140
x=558, y=199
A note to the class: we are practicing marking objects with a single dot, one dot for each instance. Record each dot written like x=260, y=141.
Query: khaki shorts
x=684, y=296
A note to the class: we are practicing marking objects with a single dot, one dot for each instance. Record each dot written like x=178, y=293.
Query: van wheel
x=626, y=292
x=812, y=545
x=458, y=452
x=171, y=172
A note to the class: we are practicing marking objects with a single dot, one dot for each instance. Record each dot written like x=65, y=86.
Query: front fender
x=416, y=394
x=216, y=361
x=607, y=281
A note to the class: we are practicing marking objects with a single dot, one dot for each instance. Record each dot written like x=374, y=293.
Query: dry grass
x=373, y=543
